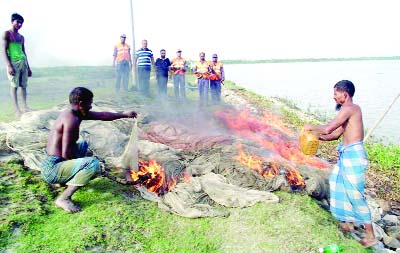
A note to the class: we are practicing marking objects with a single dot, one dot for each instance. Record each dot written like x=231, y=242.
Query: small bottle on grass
x=332, y=248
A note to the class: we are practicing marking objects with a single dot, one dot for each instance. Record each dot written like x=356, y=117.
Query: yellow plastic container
x=309, y=142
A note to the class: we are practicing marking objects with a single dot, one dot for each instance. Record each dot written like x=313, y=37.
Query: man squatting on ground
x=18, y=69
x=66, y=161
x=347, y=181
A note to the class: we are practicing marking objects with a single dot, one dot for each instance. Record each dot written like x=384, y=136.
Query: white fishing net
x=186, y=144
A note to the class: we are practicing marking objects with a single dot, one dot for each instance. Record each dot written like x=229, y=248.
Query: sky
x=84, y=32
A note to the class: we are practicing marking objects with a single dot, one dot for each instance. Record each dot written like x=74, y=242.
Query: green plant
x=386, y=156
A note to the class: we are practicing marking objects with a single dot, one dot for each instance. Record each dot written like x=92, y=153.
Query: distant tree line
x=377, y=58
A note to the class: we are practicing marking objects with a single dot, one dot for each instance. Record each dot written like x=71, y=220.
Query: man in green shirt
x=18, y=69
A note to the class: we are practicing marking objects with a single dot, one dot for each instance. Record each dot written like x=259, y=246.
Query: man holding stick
x=347, y=181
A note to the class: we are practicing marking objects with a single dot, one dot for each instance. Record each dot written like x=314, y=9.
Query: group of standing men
x=143, y=61
x=66, y=161
x=210, y=75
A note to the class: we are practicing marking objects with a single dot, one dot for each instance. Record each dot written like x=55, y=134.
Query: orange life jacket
x=179, y=64
x=213, y=77
x=202, y=69
x=123, y=52
x=217, y=75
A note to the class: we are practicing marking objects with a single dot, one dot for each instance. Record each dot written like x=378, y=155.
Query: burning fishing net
x=192, y=163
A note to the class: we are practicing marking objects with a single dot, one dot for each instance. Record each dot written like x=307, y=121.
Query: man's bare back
x=64, y=135
x=62, y=142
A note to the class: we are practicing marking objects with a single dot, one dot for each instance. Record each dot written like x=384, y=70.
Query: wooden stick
x=110, y=176
x=380, y=119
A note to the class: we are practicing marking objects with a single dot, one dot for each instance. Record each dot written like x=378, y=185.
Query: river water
x=310, y=86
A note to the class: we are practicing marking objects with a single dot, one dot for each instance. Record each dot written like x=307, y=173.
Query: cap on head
x=178, y=51
x=123, y=36
x=214, y=56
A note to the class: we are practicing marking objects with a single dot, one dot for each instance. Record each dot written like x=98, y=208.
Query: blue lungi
x=74, y=172
x=347, y=182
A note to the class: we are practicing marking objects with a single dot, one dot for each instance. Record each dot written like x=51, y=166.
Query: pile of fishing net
x=193, y=148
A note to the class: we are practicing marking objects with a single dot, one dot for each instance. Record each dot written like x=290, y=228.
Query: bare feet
x=18, y=114
x=67, y=205
x=346, y=227
x=368, y=242
x=27, y=109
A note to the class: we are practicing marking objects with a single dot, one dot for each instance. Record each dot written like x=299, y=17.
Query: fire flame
x=270, y=133
x=251, y=161
x=256, y=163
x=152, y=176
x=276, y=122
x=271, y=169
x=293, y=177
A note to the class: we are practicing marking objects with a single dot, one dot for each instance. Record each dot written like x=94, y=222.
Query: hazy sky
x=84, y=32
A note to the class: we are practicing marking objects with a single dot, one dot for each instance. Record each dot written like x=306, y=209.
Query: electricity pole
x=134, y=79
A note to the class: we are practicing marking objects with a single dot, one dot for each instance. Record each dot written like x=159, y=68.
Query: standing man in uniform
x=347, y=181
x=217, y=77
x=162, y=68
x=202, y=72
x=18, y=69
x=178, y=68
x=143, y=61
x=122, y=55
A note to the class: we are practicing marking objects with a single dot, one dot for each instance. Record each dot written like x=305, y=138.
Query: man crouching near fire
x=347, y=181
x=66, y=161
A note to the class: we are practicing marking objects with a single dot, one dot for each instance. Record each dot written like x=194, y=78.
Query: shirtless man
x=18, y=69
x=347, y=181
x=66, y=161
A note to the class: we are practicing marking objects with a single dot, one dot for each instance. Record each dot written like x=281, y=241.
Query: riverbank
x=384, y=172
x=310, y=86
x=50, y=87
x=116, y=218
x=378, y=58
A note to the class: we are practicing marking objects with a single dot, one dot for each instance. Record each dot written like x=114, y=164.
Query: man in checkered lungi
x=347, y=181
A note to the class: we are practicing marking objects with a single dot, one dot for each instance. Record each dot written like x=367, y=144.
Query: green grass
x=23, y=198
x=116, y=219
x=386, y=156
x=50, y=87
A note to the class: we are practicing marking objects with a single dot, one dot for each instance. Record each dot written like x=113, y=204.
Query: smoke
x=187, y=114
